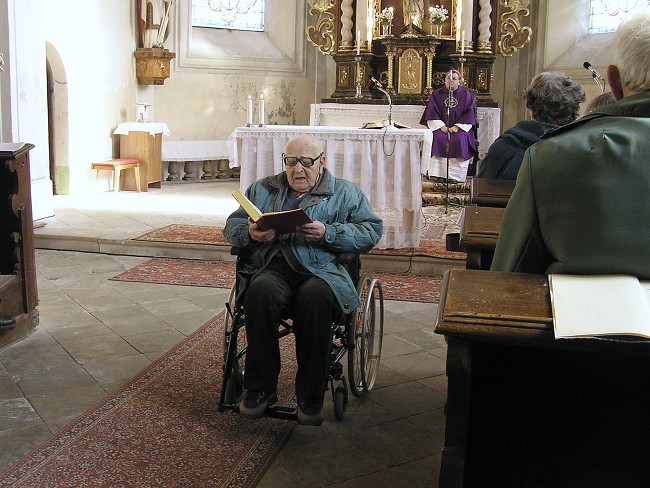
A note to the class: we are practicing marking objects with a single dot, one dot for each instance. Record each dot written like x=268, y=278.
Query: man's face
x=303, y=178
x=453, y=82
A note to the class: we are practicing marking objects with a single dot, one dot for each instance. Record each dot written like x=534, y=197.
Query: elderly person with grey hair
x=553, y=100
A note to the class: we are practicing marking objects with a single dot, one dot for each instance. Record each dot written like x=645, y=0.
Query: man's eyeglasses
x=304, y=160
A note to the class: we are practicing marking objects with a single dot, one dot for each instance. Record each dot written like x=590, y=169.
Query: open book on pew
x=600, y=305
x=283, y=222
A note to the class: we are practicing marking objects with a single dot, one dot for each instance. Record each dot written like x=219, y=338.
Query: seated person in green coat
x=553, y=100
x=581, y=203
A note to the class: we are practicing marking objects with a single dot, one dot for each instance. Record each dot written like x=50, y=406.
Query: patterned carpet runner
x=219, y=274
x=162, y=428
x=436, y=224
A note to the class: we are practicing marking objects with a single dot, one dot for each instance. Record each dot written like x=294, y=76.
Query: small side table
x=142, y=141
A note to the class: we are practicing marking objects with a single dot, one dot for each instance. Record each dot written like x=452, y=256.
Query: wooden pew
x=479, y=231
x=489, y=192
x=525, y=409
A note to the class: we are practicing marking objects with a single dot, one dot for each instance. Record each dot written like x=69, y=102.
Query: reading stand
x=527, y=410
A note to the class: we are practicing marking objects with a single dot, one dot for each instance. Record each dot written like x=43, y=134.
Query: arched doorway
x=57, y=121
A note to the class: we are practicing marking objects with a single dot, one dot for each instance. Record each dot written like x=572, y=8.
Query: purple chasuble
x=462, y=144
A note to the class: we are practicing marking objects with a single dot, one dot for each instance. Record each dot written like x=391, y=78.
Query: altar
x=386, y=164
x=488, y=119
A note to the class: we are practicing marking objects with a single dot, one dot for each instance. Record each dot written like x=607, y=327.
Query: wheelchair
x=357, y=335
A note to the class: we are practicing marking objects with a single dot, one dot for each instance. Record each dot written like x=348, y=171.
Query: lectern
x=18, y=296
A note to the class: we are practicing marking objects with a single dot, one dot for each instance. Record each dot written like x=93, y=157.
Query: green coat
x=581, y=204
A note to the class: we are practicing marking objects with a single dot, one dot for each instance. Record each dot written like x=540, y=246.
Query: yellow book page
x=250, y=208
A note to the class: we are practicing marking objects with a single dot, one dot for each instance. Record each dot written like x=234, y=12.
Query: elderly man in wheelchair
x=298, y=274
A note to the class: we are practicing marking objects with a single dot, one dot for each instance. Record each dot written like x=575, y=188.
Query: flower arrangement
x=437, y=15
x=386, y=16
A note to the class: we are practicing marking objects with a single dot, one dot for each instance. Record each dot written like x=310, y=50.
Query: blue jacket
x=350, y=226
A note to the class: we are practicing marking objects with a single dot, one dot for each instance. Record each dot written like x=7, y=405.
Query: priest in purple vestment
x=451, y=129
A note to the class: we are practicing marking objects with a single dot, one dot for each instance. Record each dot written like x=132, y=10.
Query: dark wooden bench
x=489, y=192
x=479, y=231
x=525, y=409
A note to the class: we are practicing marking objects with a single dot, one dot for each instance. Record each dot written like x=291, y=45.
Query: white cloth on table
x=194, y=150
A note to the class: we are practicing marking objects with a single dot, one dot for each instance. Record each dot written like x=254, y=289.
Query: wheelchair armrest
x=346, y=258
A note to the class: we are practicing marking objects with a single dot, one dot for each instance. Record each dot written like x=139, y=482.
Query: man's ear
x=614, y=80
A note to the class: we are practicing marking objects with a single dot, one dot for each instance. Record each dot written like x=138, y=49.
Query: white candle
x=462, y=44
x=249, y=111
x=358, y=42
x=261, y=109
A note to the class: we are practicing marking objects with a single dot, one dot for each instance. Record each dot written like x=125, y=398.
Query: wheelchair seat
x=357, y=335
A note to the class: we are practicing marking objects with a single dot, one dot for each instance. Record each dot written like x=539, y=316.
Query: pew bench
x=479, y=231
x=490, y=192
x=525, y=409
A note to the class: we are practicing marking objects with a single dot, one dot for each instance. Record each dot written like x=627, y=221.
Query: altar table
x=384, y=163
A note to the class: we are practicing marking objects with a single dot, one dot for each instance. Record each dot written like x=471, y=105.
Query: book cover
x=283, y=222
x=599, y=305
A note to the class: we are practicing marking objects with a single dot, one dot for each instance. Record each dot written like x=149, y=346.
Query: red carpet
x=432, y=242
x=219, y=274
x=162, y=428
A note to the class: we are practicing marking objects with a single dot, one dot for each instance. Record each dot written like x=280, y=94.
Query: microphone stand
x=447, y=199
x=390, y=102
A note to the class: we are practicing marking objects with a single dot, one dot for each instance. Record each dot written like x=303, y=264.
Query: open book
x=283, y=222
x=383, y=124
x=601, y=305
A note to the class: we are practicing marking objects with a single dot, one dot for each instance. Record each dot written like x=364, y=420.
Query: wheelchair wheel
x=366, y=335
x=340, y=401
x=230, y=311
x=234, y=386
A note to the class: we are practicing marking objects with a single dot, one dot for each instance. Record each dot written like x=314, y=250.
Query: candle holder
x=358, y=78
x=462, y=60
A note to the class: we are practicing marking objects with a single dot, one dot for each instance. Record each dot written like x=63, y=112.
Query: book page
x=250, y=208
x=587, y=305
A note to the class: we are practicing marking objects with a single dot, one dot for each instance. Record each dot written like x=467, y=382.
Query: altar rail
x=208, y=157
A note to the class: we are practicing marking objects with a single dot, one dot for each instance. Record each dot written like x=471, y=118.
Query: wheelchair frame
x=359, y=336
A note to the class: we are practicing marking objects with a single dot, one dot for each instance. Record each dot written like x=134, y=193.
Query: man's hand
x=260, y=235
x=313, y=231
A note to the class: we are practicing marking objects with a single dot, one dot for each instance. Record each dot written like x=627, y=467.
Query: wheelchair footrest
x=275, y=411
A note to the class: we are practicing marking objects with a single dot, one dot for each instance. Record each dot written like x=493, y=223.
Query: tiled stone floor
x=95, y=334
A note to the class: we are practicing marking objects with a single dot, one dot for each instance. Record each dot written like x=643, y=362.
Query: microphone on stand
x=600, y=81
x=379, y=87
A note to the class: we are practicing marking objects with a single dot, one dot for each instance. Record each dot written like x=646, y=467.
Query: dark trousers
x=279, y=292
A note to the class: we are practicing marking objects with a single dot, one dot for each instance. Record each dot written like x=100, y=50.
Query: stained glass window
x=247, y=15
x=605, y=15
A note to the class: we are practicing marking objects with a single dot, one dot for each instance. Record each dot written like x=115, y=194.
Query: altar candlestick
x=249, y=111
x=462, y=44
x=358, y=42
x=261, y=110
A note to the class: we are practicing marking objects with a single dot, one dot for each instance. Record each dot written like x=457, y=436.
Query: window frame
x=279, y=49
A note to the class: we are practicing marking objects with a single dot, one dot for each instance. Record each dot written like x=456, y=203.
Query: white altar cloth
x=152, y=128
x=385, y=164
x=194, y=150
x=357, y=114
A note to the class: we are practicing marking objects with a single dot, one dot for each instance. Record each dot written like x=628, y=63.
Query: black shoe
x=310, y=411
x=254, y=402
x=7, y=323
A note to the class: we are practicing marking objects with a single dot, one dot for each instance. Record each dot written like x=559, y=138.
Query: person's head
x=452, y=79
x=303, y=162
x=553, y=98
x=631, y=74
x=600, y=101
